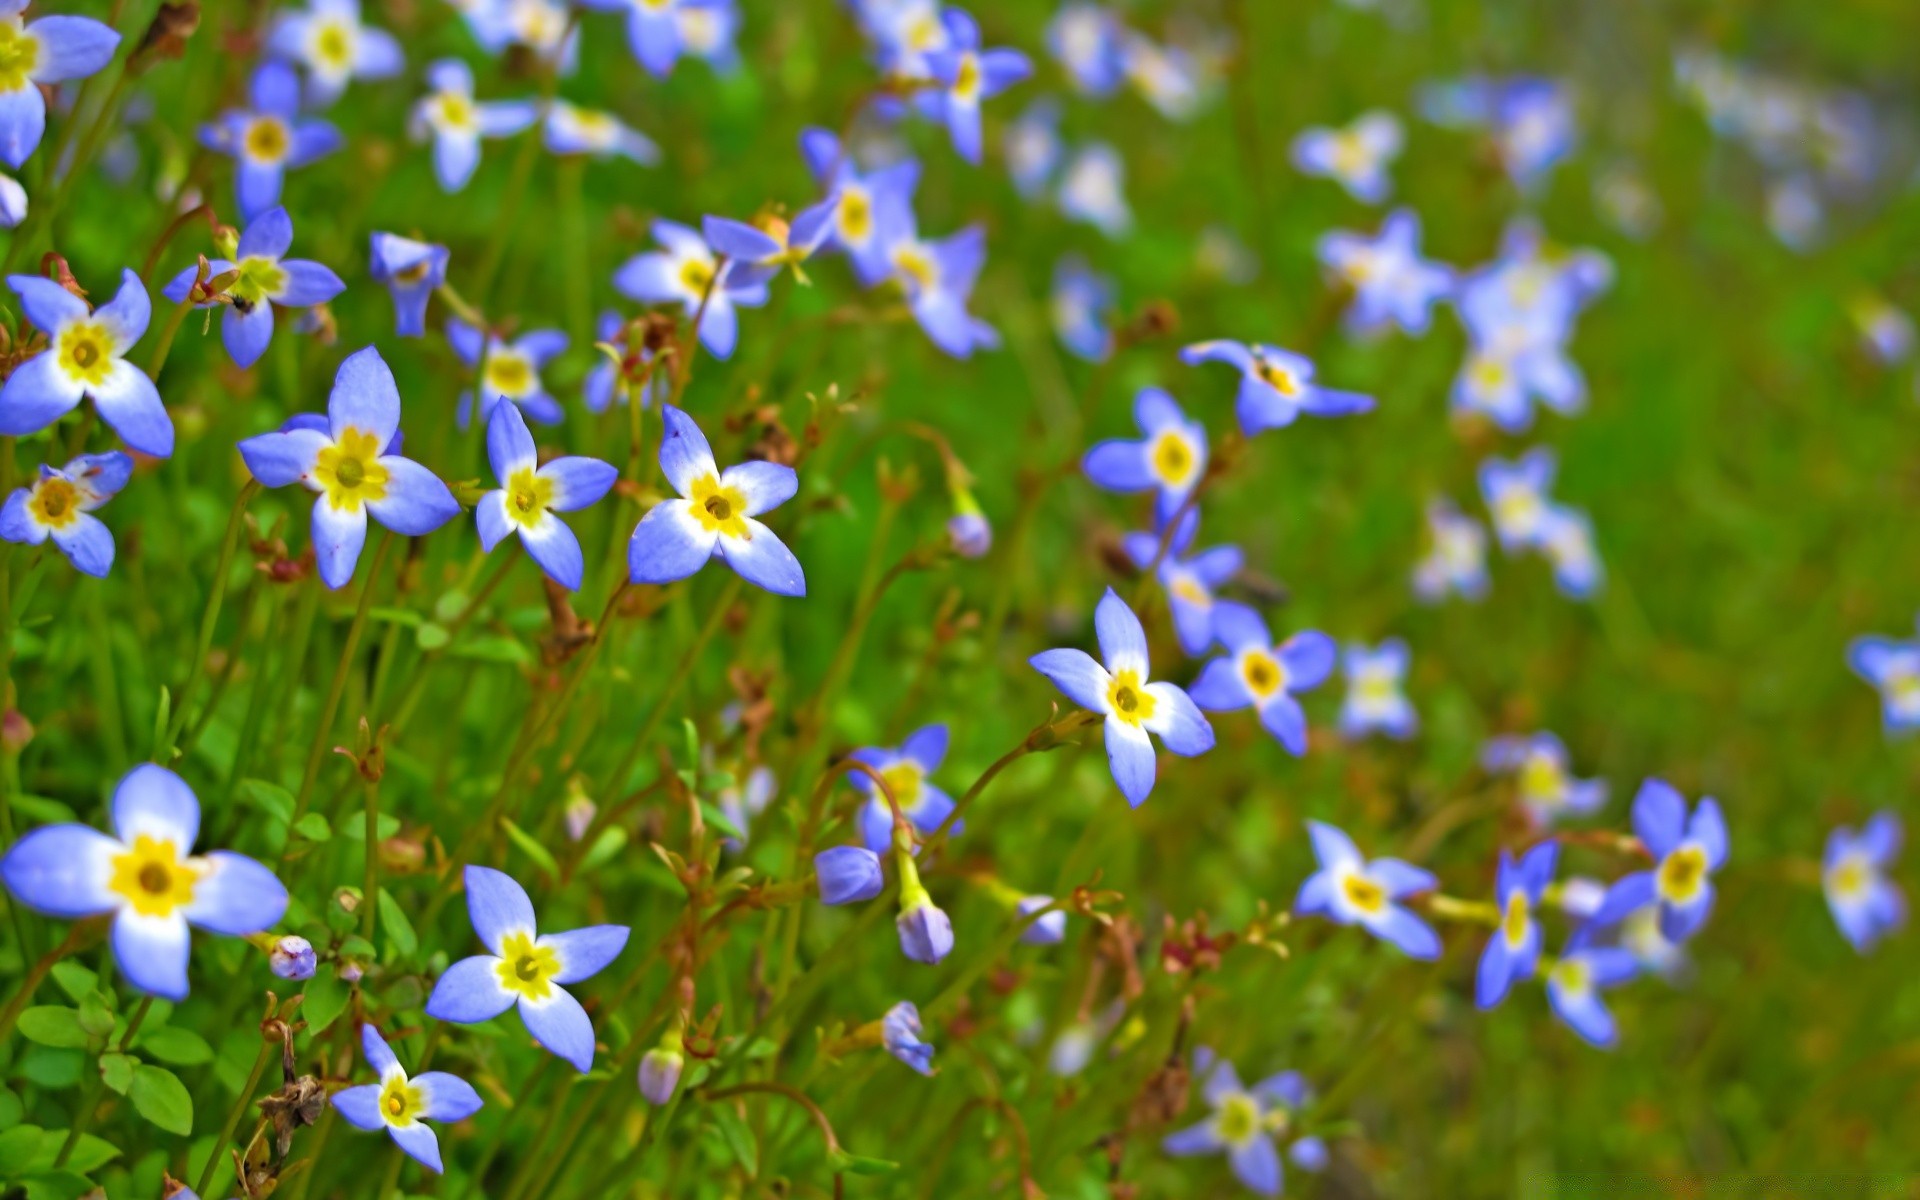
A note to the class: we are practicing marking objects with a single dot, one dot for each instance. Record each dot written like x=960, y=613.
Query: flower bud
x=926, y=932
x=970, y=534
x=848, y=874
x=660, y=1069
x=350, y=972
x=1046, y=931
x=900, y=1034
x=292, y=957
x=580, y=813
x=13, y=202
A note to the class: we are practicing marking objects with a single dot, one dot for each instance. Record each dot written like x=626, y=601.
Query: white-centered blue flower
x=1093, y=189
x=1574, y=982
x=335, y=46
x=1865, y=903
x=264, y=278
x=714, y=516
x=456, y=121
x=1276, y=386
x=1376, y=700
x=49, y=50
x=688, y=273
x=402, y=1104
x=525, y=968
x=412, y=271
x=1032, y=147
x=351, y=466
x=1090, y=42
x=1686, y=851
x=60, y=504
x=1255, y=673
x=1079, y=304
x=1513, y=951
x=876, y=207
x=1392, y=285
x=938, y=278
x=269, y=138
x=907, y=771
x=1131, y=704
x=1456, y=561
x=1189, y=580
x=1891, y=667
x=147, y=877
x=508, y=369
x=86, y=356
x=1356, y=157
x=1517, y=496
x=531, y=495
x=968, y=74
x=1246, y=1124
x=1543, y=775
x=654, y=31
x=1352, y=890
x=1569, y=546
x=1169, y=458
x=570, y=129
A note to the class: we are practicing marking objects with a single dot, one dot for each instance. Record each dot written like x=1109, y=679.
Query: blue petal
x=62, y=870
x=365, y=397
x=278, y=459
x=153, y=800
x=553, y=545
x=1256, y=1164
x=1408, y=932
x=1221, y=687
x=1331, y=845
x=848, y=874
x=926, y=933
x=1075, y=673
x=510, y=445
x=685, y=455
x=446, y=1097
x=1194, y=1139
x=926, y=746
x=1627, y=896
x=584, y=953
x=1399, y=878
x=237, y=897
x=1659, y=817
x=129, y=403
x=307, y=284
x=1283, y=717
x=470, y=991
x=269, y=235
x=1178, y=723
x=1316, y=896
x=152, y=952
x=1308, y=657
x=1131, y=759
x=339, y=534
x=738, y=240
x=36, y=395
x=1123, y=642
x=379, y=1054
x=1494, y=977
x=1709, y=828
x=360, y=1107
x=417, y=501
x=498, y=905
x=48, y=305
x=668, y=545
x=763, y=559
x=247, y=334
x=578, y=481
x=87, y=544
x=23, y=119
x=419, y=1142
x=1119, y=466
x=765, y=485
x=1680, y=922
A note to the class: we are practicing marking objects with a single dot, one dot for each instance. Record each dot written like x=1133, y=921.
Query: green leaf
x=356, y=829
x=394, y=616
x=739, y=1138
x=178, y=1047
x=53, y=1025
x=116, y=1070
x=57, y=1185
x=326, y=1000
x=609, y=843
x=272, y=799
x=19, y=1146
x=718, y=820
x=53, y=1066
x=531, y=848
x=854, y=1164
x=76, y=981
x=160, y=1097
x=11, y=1109
x=432, y=636
x=88, y=1155
x=313, y=827
x=495, y=649
x=400, y=935
x=96, y=1014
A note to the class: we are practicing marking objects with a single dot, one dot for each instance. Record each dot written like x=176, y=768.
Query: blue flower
x=876, y=207
x=1257, y=673
x=13, y=202
x=714, y=518
x=351, y=464
x=269, y=138
x=1574, y=982
x=525, y=968
x=1506, y=370
x=59, y=505
x=531, y=494
x=1091, y=190
x=900, y=1034
x=938, y=279
x=1890, y=666
x=1457, y=561
x=1685, y=851
x=573, y=130
x=265, y=278
x=1032, y=147
x=967, y=75
x=688, y=274
x=1866, y=905
x=654, y=29
x=1516, y=494
x=1132, y=706
x=1375, y=701
x=402, y=1105
x=615, y=380
x=1170, y=457
x=457, y=122
x=329, y=40
x=1189, y=582
x=1357, y=157
x=86, y=356
x=1351, y=890
x=1079, y=306
x=1049, y=929
x=1531, y=286
x=412, y=271
x=1529, y=117
x=147, y=877
x=906, y=771
x=1165, y=76
x=741, y=803
x=1513, y=951
x=1089, y=41
x=47, y=51
x=1392, y=285
x=707, y=32
x=1548, y=789
x=969, y=533
x=1568, y=544
x=545, y=27
x=848, y=874
x=507, y=370
x=756, y=254
x=1276, y=385
x=292, y=957
x=1245, y=1122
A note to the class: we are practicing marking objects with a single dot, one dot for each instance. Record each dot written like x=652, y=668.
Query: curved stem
x=794, y=1094
x=234, y=1114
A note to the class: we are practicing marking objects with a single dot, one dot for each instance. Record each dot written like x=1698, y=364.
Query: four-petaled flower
x=573, y=130
x=412, y=271
x=403, y=1105
x=1890, y=666
x=59, y=505
x=655, y=31
x=263, y=278
x=1391, y=283
x=456, y=121
x=1121, y=693
x=330, y=41
x=530, y=495
x=1079, y=305
x=1356, y=157
x=906, y=771
x=46, y=51
x=1256, y=672
x=1574, y=982
x=874, y=207
x=507, y=369
x=1513, y=951
x=1092, y=189
x=1276, y=385
x=1189, y=581
x=1686, y=851
x=269, y=138
x=86, y=356
x=1169, y=458
x=1548, y=789
x=148, y=877
x=1374, y=700
x=688, y=273
x=1245, y=1123
x=1866, y=905
x=1457, y=561
x=938, y=278
x=967, y=75
x=1351, y=890
x=757, y=253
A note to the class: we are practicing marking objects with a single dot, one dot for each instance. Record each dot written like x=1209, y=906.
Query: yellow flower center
x=1572, y=975
x=266, y=140
x=1173, y=459
x=1375, y=689
x=1489, y=374
x=1849, y=878
x=526, y=969
x=456, y=111
x=509, y=373
x=1349, y=154
x=528, y=495
x=400, y=1101
x=84, y=352
x=1278, y=378
x=18, y=55
x=1128, y=698
x=917, y=265
x=350, y=472
x=259, y=278
x=1263, y=673
x=1517, y=920
x=153, y=877
x=55, y=503
x=1192, y=591
x=904, y=778
x=856, y=214
x=1518, y=508
x=1363, y=893
x=333, y=45
x=696, y=276
x=1903, y=688
x=719, y=509
x=1541, y=778
x=966, y=80
x=1239, y=1118
x=1682, y=874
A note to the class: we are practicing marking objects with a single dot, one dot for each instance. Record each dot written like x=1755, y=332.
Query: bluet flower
x=900, y=1034
x=1513, y=951
x=1568, y=544
x=1457, y=561
x=269, y=138
x=1356, y=157
x=848, y=874
x=707, y=32
x=531, y=494
x=1375, y=700
x=1165, y=76
x=264, y=278
x=1686, y=851
x=86, y=356
x=1504, y=374
x=1516, y=494
x=1079, y=305
x=1132, y=706
x=757, y=253
x=1574, y=982
x=1254, y=672
x=660, y=1067
x=47, y=51
x=876, y=207
x=654, y=31
x=714, y=518
x=1090, y=42
x=1392, y=285
x=938, y=278
x=1189, y=581
x=13, y=202
x=456, y=121
x=1866, y=905
x=60, y=505
x=525, y=968
x=1049, y=929
x=968, y=74
x=1092, y=190
x=926, y=932
x=907, y=771
x=1891, y=667
x=402, y=1104
x=1244, y=1123
x=353, y=469
x=1170, y=458
x=292, y=957
x=573, y=130
x=507, y=370
x=412, y=271
x=1539, y=765
x=1885, y=332
x=1276, y=386
x=146, y=876
x=1032, y=147
x=687, y=273
x=1350, y=890
x=544, y=27
x=1530, y=119
x=330, y=41
x=615, y=380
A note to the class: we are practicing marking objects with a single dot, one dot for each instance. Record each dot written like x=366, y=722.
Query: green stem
x=165, y=346
x=83, y=1117
x=234, y=1114
x=370, y=892
x=78, y=938
x=216, y=596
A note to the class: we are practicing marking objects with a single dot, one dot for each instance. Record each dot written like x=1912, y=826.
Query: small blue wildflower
x=660, y=1068
x=1032, y=147
x=403, y=1105
x=900, y=1034
x=1120, y=692
x=876, y=207
x=1350, y=890
x=507, y=369
x=1255, y=672
x=741, y=803
x=618, y=375
x=1532, y=286
x=938, y=278
x=530, y=495
x=1866, y=905
x=1457, y=561
x=525, y=968
x=146, y=876
x=1503, y=375
x=1568, y=545
x=573, y=130
x=1529, y=117
x=969, y=532
x=1513, y=951
x=329, y=40
x=1092, y=190
x=1165, y=76
x=456, y=121
x=1516, y=494
x=1574, y=982
x=926, y=932
x=687, y=273
x=412, y=271
x=1080, y=304
x=353, y=468
x=1890, y=666
x=707, y=32
x=1170, y=458
x=40, y=53
x=1392, y=285
x=1886, y=333
x=292, y=957
x=907, y=771
x=60, y=504
x=967, y=75
x=1276, y=386
x=654, y=31
x=86, y=356
x=1357, y=157
x=13, y=202
x=1089, y=41
x=265, y=278
x=1375, y=701
x=1189, y=582
x=269, y=138
x=1547, y=787
x=544, y=27
x=1685, y=851
x=1048, y=929
x=714, y=518
x=1244, y=1123
x=848, y=874
x=756, y=254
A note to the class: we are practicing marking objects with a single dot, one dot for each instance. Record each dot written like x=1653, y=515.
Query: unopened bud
x=15, y=731
x=660, y=1069
x=292, y=957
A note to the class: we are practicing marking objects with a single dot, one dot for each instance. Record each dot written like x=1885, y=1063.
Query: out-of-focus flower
x=1080, y=303
x=270, y=138
x=1165, y=76
x=412, y=271
x=654, y=29
x=1529, y=118
x=263, y=279
x=531, y=494
x=900, y=1034
x=60, y=505
x=507, y=370
x=1866, y=905
x=1276, y=386
x=1513, y=951
x=1033, y=147
x=13, y=202
x=628, y=370
x=707, y=32
x=757, y=253
x=1516, y=494
x=1628, y=201
x=906, y=770
x=1189, y=581
x=1091, y=189
x=329, y=40
x=968, y=74
x=1795, y=213
x=1547, y=787
x=1885, y=332
x=1574, y=982
x=1568, y=544
x=1352, y=890
x=1047, y=930
x=742, y=803
x=1256, y=672
x=46, y=51
x=1245, y=1122
x=938, y=278
x=1685, y=851
x=1375, y=701
x=573, y=130
x=969, y=533
x=1169, y=458
x=86, y=356
x=1356, y=157
x=876, y=207
x=402, y=1104
x=687, y=272
x=1392, y=284
x=1457, y=559
x=1090, y=42
x=456, y=121
x=660, y=1068
x=1893, y=668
